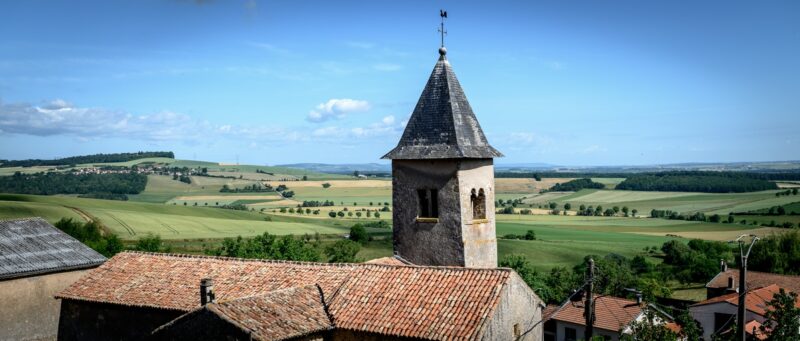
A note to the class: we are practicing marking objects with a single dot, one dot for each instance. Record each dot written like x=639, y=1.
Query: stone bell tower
x=443, y=180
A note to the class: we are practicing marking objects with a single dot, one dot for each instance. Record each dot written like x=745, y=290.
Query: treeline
x=105, y=196
x=67, y=183
x=576, y=185
x=96, y=158
x=305, y=248
x=708, y=182
x=773, y=176
x=254, y=188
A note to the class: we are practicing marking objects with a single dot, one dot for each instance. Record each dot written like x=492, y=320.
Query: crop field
x=131, y=220
x=677, y=201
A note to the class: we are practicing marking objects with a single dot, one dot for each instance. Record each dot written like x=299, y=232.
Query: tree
x=305, y=177
x=567, y=206
x=616, y=209
x=358, y=214
x=356, y=174
x=350, y=214
x=553, y=205
x=690, y=329
x=530, y=235
x=625, y=210
x=783, y=320
x=340, y=214
x=150, y=243
x=377, y=215
x=794, y=191
x=648, y=329
x=332, y=214
x=634, y=211
x=326, y=185
x=343, y=251
x=358, y=233
x=582, y=208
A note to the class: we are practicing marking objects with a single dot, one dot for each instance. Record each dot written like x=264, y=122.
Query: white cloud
x=59, y=117
x=337, y=108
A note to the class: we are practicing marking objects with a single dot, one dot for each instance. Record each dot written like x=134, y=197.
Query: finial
x=443, y=15
x=442, y=51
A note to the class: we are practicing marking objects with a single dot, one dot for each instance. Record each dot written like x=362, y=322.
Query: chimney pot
x=722, y=265
x=206, y=291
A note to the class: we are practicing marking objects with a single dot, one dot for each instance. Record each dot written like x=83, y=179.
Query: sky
x=261, y=82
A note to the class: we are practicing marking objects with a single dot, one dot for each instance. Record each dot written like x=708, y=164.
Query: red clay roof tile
x=612, y=313
x=415, y=301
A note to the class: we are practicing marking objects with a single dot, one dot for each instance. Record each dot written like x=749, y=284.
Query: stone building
x=443, y=180
x=727, y=281
x=442, y=284
x=37, y=261
x=143, y=295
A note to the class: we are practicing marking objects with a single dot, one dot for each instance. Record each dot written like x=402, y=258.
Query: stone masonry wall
x=426, y=243
x=479, y=236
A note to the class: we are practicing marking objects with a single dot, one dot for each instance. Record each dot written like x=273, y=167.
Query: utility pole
x=740, y=335
x=589, y=305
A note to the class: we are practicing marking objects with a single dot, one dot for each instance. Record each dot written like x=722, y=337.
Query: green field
x=677, y=201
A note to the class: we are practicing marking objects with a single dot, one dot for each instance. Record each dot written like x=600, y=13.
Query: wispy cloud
x=337, y=108
x=387, y=126
x=59, y=117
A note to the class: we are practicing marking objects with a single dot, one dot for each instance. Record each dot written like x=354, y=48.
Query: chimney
x=206, y=291
x=730, y=283
x=638, y=298
x=723, y=266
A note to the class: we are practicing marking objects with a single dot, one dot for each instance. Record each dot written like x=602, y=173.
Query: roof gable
x=755, y=301
x=613, y=313
x=442, y=125
x=411, y=301
x=278, y=315
x=32, y=246
x=755, y=279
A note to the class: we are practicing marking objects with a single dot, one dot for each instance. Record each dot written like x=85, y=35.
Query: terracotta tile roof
x=31, y=246
x=674, y=327
x=548, y=311
x=756, y=300
x=612, y=313
x=172, y=281
x=422, y=302
x=755, y=279
x=412, y=301
x=387, y=261
x=278, y=315
x=753, y=328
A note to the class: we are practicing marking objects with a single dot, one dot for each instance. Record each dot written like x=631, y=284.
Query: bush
x=343, y=251
x=359, y=234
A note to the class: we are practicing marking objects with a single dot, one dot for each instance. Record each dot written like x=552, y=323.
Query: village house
x=718, y=314
x=613, y=317
x=727, y=281
x=37, y=261
x=442, y=283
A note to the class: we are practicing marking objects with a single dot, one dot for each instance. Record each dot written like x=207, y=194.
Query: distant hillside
x=96, y=158
x=342, y=168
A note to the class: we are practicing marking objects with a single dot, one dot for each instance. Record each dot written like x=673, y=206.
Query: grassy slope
x=131, y=220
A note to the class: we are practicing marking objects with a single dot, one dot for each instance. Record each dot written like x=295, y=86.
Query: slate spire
x=443, y=125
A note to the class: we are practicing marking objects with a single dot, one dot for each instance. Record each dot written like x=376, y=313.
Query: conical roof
x=443, y=125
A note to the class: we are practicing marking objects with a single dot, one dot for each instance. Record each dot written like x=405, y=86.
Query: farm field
x=683, y=202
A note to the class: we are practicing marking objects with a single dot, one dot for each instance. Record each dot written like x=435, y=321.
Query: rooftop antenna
x=443, y=14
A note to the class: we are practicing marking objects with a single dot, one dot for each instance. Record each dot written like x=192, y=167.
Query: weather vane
x=443, y=14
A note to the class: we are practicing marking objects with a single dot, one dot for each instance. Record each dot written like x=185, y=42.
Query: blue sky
x=271, y=82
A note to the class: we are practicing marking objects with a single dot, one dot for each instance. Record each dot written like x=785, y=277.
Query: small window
x=478, y=204
x=570, y=334
x=428, y=203
x=517, y=331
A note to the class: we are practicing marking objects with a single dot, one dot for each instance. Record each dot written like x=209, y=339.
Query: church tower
x=443, y=180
